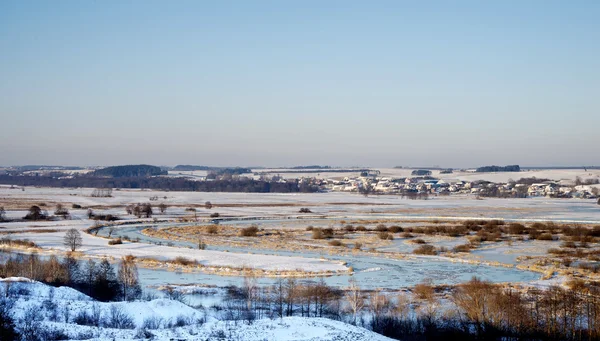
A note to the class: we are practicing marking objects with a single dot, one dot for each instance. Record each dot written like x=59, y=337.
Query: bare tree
x=355, y=299
x=208, y=205
x=72, y=240
x=2, y=213
x=128, y=278
x=162, y=207
x=62, y=211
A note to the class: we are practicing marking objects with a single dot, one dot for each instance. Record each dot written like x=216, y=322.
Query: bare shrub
x=180, y=260
x=516, y=228
x=385, y=236
x=425, y=250
x=250, y=231
x=317, y=234
x=395, y=229
x=212, y=229
x=115, y=241
x=424, y=291
x=545, y=236
x=381, y=228
x=119, y=319
x=335, y=243
x=462, y=248
x=152, y=322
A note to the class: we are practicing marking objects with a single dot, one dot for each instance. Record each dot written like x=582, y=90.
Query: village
x=422, y=184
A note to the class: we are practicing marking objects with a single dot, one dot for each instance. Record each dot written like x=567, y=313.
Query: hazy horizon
x=344, y=83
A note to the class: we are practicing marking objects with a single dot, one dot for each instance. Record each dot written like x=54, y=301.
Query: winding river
x=371, y=272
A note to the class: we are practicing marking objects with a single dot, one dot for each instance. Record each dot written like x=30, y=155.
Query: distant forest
x=311, y=167
x=245, y=185
x=129, y=171
x=216, y=170
x=511, y=168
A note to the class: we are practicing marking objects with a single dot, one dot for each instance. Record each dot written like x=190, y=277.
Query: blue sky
x=383, y=83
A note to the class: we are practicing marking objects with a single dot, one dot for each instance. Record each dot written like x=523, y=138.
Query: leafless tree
x=162, y=207
x=2, y=213
x=355, y=299
x=72, y=240
x=128, y=278
x=62, y=211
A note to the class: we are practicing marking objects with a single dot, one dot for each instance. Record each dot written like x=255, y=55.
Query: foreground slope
x=45, y=310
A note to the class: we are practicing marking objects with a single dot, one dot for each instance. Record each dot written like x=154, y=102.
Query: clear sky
x=274, y=83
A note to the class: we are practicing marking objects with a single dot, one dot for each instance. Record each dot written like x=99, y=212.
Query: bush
x=349, y=228
x=318, y=233
x=381, y=228
x=361, y=228
x=424, y=291
x=212, y=229
x=250, y=231
x=309, y=228
x=357, y=246
x=305, y=210
x=407, y=235
x=115, y=241
x=418, y=241
x=119, y=319
x=335, y=243
x=516, y=228
x=395, y=229
x=545, y=236
x=538, y=226
x=180, y=260
x=425, y=250
x=215, y=215
x=385, y=236
x=462, y=248
x=76, y=206
x=152, y=322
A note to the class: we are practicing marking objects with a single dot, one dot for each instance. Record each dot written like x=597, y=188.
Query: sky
x=284, y=83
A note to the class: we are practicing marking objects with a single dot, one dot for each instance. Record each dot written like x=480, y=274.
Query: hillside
x=63, y=313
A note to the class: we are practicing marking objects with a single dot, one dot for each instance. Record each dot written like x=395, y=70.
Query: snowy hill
x=64, y=313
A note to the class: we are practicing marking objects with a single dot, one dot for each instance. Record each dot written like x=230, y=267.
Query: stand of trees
x=477, y=310
x=97, y=280
x=130, y=171
x=241, y=184
x=510, y=168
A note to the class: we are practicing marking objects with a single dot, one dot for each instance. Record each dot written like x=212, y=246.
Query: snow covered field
x=98, y=247
x=329, y=209
x=334, y=204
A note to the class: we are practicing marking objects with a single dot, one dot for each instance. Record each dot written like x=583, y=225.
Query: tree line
x=240, y=184
x=96, y=279
x=476, y=310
